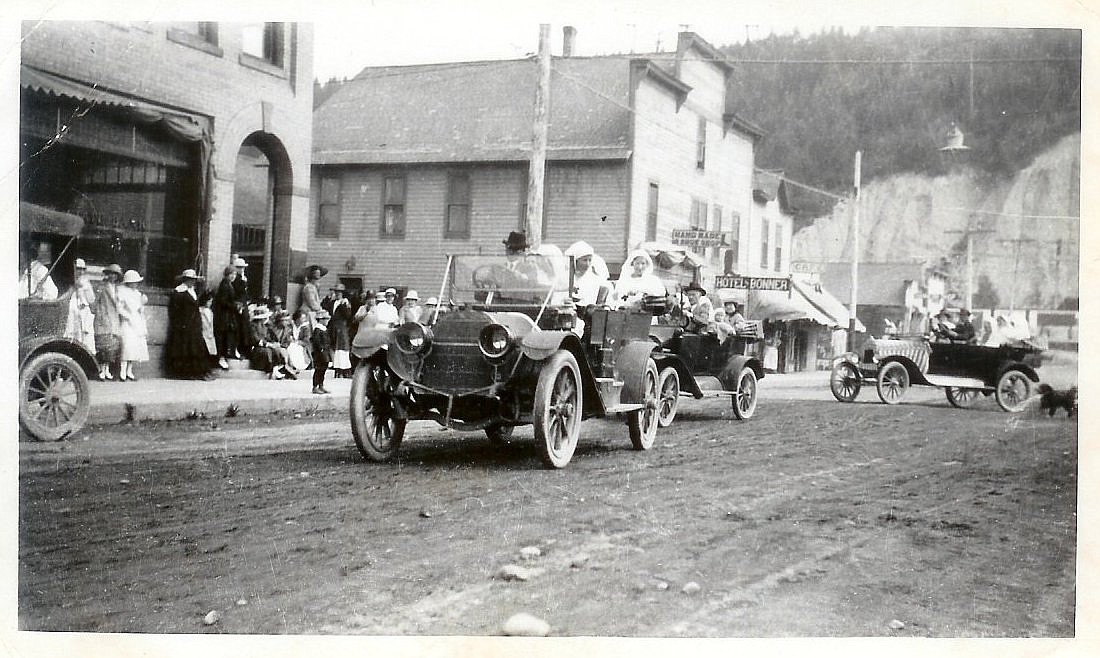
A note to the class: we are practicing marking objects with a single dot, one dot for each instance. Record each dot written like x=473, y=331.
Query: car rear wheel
x=376, y=431
x=845, y=382
x=54, y=397
x=744, y=394
x=892, y=382
x=1013, y=390
x=557, y=412
x=643, y=423
x=668, y=394
x=499, y=434
x=962, y=398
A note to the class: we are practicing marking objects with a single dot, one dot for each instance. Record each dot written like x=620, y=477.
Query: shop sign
x=697, y=238
x=782, y=284
x=805, y=267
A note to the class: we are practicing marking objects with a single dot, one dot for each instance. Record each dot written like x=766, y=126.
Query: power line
x=1009, y=214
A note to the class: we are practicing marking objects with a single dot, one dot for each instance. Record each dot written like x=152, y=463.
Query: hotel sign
x=697, y=238
x=735, y=281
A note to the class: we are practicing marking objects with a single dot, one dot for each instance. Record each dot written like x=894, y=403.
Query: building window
x=717, y=226
x=328, y=209
x=698, y=218
x=264, y=41
x=457, y=221
x=393, y=207
x=778, y=264
x=652, y=205
x=701, y=144
x=765, y=230
x=734, y=252
x=207, y=31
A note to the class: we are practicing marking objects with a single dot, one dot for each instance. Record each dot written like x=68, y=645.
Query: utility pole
x=855, y=255
x=536, y=176
x=969, y=232
x=1016, y=242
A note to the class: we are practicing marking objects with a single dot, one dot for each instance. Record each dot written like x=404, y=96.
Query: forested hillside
x=893, y=93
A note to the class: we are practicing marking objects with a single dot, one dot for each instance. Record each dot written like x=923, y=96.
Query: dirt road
x=812, y=519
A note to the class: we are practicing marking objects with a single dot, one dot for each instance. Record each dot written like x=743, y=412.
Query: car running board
x=956, y=382
x=623, y=408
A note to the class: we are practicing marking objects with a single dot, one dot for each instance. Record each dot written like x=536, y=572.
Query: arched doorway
x=261, y=214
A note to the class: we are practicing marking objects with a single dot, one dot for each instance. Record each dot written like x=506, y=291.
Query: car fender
x=1016, y=365
x=687, y=378
x=630, y=365
x=32, y=347
x=733, y=368
x=367, y=341
x=539, y=345
x=915, y=374
x=847, y=357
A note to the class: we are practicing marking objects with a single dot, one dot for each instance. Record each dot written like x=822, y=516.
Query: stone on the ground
x=691, y=588
x=523, y=624
x=242, y=601
x=530, y=552
x=212, y=618
x=426, y=513
x=513, y=572
x=897, y=624
x=579, y=561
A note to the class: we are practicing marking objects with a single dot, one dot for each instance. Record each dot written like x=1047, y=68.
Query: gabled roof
x=879, y=283
x=475, y=112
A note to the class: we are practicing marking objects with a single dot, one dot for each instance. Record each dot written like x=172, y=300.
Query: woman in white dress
x=638, y=282
x=80, y=323
x=131, y=315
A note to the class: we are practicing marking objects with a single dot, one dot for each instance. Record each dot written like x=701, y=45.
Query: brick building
x=413, y=162
x=150, y=131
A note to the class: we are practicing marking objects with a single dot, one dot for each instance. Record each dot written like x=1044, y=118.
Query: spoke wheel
x=54, y=397
x=892, y=382
x=557, y=411
x=962, y=398
x=1013, y=390
x=668, y=394
x=744, y=394
x=845, y=382
x=376, y=432
x=643, y=423
x=499, y=434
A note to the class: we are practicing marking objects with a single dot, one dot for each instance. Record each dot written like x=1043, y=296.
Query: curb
x=112, y=413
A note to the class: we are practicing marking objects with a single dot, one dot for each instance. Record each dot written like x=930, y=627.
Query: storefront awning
x=823, y=300
x=784, y=306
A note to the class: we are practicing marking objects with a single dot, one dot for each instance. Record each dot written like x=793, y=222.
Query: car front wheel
x=1013, y=390
x=557, y=412
x=54, y=397
x=668, y=392
x=376, y=431
x=845, y=382
x=643, y=422
x=892, y=382
x=744, y=394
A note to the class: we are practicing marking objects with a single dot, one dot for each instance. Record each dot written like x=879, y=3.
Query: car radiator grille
x=455, y=368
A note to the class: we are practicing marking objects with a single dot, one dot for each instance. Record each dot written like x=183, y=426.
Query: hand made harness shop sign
x=698, y=238
x=782, y=284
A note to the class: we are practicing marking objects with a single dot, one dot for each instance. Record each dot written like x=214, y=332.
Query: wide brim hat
x=516, y=241
x=188, y=274
x=113, y=268
x=412, y=294
x=695, y=286
x=132, y=276
x=339, y=287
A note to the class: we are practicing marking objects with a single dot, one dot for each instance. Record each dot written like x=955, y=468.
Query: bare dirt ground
x=812, y=519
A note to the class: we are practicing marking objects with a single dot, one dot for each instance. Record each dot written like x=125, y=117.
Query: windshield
x=513, y=279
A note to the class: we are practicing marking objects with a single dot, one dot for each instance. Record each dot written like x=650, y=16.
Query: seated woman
x=638, y=282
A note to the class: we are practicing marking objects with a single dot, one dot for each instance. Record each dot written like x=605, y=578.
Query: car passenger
x=699, y=309
x=638, y=281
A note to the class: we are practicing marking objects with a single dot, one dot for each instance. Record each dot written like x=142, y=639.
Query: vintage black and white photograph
x=601, y=320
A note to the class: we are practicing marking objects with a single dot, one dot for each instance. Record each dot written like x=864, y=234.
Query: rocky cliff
x=1028, y=247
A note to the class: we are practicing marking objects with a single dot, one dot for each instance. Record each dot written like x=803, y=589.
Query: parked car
x=698, y=365
x=54, y=395
x=964, y=371
x=510, y=353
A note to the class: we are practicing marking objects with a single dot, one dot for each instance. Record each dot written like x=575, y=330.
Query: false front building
x=414, y=162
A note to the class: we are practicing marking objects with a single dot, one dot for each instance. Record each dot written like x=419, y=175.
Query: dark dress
x=339, y=327
x=244, y=333
x=185, y=354
x=226, y=329
x=322, y=354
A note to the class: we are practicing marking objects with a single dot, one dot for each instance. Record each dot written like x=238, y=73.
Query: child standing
x=131, y=314
x=321, y=351
x=206, y=314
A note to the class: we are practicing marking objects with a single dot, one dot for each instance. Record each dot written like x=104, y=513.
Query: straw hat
x=240, y=262
x=391, y=291
x=132, y=276
x=432, y=301
x=113, y=268
x=412, y=294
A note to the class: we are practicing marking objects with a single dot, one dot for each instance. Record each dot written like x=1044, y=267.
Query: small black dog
x=1054, y=400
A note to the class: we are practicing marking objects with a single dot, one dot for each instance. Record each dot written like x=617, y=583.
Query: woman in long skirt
x=185, y=353
x=106, y=322
x=132, y=327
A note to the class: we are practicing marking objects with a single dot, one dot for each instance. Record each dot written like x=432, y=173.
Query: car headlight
x=413, y=338
x=495, y=341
